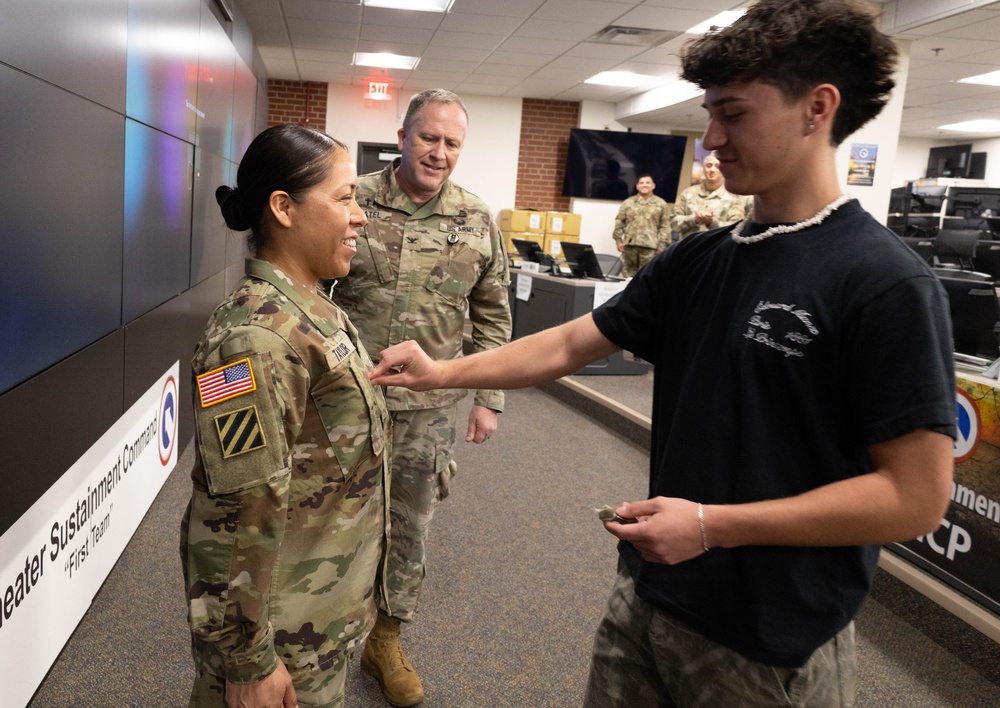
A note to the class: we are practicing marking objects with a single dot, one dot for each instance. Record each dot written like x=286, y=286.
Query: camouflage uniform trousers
x=645, y=657
x=313, y=690
x=422, y=446
x=634, y=258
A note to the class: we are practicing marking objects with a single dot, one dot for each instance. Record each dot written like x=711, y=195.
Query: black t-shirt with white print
x=776, y=364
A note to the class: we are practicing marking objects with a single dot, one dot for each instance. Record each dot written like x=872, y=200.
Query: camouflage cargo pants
x=422, y=445
x=634, y=258
x=645, y=657
x=318, y=689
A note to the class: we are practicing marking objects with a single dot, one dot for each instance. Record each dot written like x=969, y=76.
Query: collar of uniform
x=706, y=192
x=308, y=300
x=389, y=194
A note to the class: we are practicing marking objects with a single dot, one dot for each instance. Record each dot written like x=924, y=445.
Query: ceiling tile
x=322, y=10
x=402, y=18
x=396, y=35
x=598, y=13
x=531, y=45
x=506, y=8
x=552, y=29
x=481, y=24
x=466, y=40
x=663, y=18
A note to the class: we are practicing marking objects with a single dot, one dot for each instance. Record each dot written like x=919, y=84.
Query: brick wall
x=296, y=102
x=545, y=127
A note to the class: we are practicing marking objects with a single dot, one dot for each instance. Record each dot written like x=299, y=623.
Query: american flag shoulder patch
x=239, y=431
x=226, y=382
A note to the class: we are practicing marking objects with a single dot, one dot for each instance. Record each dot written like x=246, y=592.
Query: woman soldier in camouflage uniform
x=287, y=526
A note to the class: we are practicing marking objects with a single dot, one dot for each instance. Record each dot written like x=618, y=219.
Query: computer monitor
x=975, y=311
x=531, y=251
x=582, y=260
x=973, y=202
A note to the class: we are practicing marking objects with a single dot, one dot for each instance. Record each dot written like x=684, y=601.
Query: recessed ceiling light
x=990, y=79
x=627, y=79
x=418, y=5
x=385, y=60
x=723, y=19
x=983, y=125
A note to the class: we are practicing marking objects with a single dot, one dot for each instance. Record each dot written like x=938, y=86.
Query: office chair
x=956, y=247
x=610, y=264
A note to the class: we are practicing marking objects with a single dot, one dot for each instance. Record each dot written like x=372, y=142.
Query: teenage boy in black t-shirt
x=804, y=404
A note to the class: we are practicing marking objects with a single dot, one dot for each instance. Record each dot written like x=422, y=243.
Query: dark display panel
x=79, y=46
x=159, y=170
x=163, y=64
x=949, y=161
x=61, y=219
x=216, y=74
x=48, y=422
x=208, y=229
x=606, y=164
x=244, y=110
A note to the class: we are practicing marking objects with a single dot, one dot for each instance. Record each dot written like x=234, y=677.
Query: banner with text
x=56, y=556
x=963, y=551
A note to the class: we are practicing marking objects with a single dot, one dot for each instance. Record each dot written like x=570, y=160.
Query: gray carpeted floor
x=519, y=570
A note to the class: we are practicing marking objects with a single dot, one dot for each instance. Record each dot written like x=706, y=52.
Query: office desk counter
x=539, y=301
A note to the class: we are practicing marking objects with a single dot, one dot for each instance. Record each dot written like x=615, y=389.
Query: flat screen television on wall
x=949, y=161
x=606, y=164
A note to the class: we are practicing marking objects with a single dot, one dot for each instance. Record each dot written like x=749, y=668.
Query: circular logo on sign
x=167, y=432
x=967, y=422
x=863, y=152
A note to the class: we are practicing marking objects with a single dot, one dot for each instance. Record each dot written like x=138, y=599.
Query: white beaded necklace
x=789, y=228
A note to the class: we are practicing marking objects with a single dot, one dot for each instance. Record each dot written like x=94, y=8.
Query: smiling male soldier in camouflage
x=430, y=251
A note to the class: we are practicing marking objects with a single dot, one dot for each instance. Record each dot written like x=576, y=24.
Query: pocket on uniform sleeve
x=239, y=425
x=210, y=541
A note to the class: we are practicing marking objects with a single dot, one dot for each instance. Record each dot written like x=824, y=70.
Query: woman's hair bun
x=232, y=208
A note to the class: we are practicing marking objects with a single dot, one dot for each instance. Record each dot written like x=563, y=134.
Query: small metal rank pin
x=453, y=238
x=608, y=513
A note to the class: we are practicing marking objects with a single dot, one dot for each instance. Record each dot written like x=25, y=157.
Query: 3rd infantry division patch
x=239, y=431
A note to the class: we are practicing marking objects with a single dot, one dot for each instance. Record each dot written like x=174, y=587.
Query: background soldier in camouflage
x=642, y=227
x=287, y=526
x=708, y=205
x=430, y=250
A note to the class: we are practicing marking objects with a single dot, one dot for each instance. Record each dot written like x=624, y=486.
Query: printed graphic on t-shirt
x=786, y=328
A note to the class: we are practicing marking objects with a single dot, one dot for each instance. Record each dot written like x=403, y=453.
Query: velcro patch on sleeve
x=240, y=431
x=229, y=381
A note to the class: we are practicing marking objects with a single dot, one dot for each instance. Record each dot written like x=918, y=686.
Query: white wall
x=882, y=131
x=911, y=160
x=487, y=166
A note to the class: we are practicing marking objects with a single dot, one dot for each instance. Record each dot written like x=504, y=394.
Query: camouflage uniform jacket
x=416, y=271
x=643, y=222
x=727, y=207
x=288, y=520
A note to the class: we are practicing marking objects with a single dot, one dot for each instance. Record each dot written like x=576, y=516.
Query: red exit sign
x=378, y=90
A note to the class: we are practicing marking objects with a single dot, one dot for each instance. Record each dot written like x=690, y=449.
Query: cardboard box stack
x=546, y=228
x=560, y=226
x=523, y=224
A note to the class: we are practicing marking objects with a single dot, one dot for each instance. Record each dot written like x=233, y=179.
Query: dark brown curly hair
x=796, y=45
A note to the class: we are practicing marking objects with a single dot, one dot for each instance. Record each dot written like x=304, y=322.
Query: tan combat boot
x=383, y=658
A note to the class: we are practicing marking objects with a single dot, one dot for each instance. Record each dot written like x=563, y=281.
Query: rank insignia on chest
x=226, y=382
x=239, y=432
x=453, y=238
